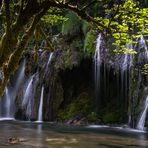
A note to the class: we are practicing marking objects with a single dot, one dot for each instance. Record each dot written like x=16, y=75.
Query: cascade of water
x=21, y=74
x=40, y=111
x=97, y=61
x=141, y=121
x=26, y=103
x=125, y=77
x=144, y=53
x=7, y=104
x=8, y=100
x=19, y=80
x=50, y=57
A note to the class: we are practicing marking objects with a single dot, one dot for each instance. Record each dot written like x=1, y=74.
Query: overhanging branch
x=45, y=36
x=16, y=55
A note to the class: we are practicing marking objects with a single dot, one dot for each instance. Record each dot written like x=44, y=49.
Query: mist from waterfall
x=142, y=118
x=40, y=111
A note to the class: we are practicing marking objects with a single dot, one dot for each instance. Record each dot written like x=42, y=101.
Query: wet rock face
x=68, y=75
x=44, y=73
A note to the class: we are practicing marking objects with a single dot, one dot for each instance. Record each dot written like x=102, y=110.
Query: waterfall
x=8, y=100
x=50, y=57
x=97, y=61
x=141, y=121
x=143, y=51
x=40, y=111
x=7, y=104
x=143, y=45
x=27, y=99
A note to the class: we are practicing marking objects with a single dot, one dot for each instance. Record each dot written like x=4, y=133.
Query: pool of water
x=48, y=135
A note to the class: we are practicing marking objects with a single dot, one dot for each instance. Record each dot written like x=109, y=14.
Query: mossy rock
x=146, y=123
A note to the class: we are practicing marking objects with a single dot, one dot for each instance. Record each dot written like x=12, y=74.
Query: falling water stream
x=8, y=104
x=50, y=57
x=141, y=121
x=26, y=103
x=8, y=100
x=97, y=61
x=40, y=111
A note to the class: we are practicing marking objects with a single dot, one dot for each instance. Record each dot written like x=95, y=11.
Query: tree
x=120, y=19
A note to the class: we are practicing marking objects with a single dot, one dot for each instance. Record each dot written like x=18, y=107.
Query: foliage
x=72, y=24
x=53, y=16
x=145, y=69
x=85, y=27
x=89, y=42
x=126, y=22
x=92, y=117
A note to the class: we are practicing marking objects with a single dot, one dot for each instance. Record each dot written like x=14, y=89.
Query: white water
x=7, y=104
x=97, y=60
x=8, y=100
x=141, y=121
x=143, y=45
x=40, y=111
x=50, y=57
x=20, y=78
x=143, y=50
x=26, y=103
x=125, y=79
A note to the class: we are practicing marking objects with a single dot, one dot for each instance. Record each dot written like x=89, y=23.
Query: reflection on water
x=46, y=135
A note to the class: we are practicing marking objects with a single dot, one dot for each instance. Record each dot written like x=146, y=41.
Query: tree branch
x=22, y=5
x=12, y=65
x=79, y=12
x=88, y=5
x=46, y=38
x=7, y=11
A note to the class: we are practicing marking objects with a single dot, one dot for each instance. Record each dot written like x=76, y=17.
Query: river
x=50, y=135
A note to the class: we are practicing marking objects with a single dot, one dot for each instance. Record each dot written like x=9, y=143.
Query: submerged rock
x=16, y=140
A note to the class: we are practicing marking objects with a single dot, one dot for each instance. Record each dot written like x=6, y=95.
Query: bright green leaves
x=126, y=21
x=52, y=19
x=145, y=69
x=53, y=16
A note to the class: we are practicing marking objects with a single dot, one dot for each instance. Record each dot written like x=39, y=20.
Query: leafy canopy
x=127, y=21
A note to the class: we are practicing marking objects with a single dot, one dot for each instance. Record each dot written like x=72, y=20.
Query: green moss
x=111, y=117
x=146, y=124
x=82, y=104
